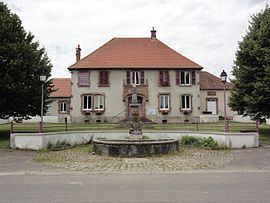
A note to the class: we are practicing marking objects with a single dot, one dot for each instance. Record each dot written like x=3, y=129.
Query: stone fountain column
x=135, y=130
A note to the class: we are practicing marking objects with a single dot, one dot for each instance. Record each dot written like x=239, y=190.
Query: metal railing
x=62, y=127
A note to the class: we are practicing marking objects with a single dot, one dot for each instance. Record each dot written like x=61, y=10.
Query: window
x=83, y=78
x=135, y=77
x=99, y=102
x=164, y=78
x=103, y=78
x=87, y=102
x=93, y=102
x=63, y=107
x=186, y=102
x=185, y=78
x=164, y=102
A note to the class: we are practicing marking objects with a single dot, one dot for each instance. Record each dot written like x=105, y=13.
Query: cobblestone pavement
x=80, y=159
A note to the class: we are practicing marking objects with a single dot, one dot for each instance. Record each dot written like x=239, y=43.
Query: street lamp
x=42, y=78
x=223, y=77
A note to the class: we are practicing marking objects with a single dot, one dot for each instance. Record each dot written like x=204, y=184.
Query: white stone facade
x=116, y=97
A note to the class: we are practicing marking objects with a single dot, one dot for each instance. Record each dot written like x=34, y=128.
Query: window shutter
x=142, y=78
x=160, y=77
x=84, y=78
x=193, y=77
x=167, y=77
x=128, y=77
x=100, y=77
x=177, y=79
x=103, y=77
x=106, y=77
x=68, y=107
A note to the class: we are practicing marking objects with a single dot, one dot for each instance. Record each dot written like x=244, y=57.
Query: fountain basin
x=134, y=147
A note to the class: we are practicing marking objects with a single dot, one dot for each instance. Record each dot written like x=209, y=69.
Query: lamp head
x=223, y=76
x=42, y=78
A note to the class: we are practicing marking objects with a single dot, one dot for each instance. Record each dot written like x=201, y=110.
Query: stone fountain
x=134, y=145
x=135, y=130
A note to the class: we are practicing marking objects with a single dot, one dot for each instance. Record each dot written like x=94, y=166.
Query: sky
x=207, y=32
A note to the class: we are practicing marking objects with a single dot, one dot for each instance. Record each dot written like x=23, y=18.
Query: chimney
x=153, y=33
x=78, y=53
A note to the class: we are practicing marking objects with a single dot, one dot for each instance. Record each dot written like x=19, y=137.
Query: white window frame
x=87, y=102
x=135, y=77
x=99, y=101
x=185, y=78
x=162, y=101
x=63, y=107
x=184, y=101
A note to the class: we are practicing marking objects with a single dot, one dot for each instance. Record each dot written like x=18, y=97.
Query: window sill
x=99, y=112
x=164, y=112
x=186, y=112
x=187, y=85
x=164, y=85
x=83, y=85
x=99, y=85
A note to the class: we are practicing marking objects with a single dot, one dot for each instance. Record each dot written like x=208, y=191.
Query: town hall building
x=167, y=83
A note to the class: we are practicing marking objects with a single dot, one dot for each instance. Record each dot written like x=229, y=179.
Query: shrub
x=190, y=140
x=200, y=142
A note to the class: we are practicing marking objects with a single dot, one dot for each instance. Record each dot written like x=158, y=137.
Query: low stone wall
x=206, y=118
x=38, y=141
x=135, y=148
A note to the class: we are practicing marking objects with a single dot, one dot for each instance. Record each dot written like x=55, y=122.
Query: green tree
x=250, y=94
x=22, y=61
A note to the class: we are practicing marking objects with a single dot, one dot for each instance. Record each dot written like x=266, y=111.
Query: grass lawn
x=233, y=127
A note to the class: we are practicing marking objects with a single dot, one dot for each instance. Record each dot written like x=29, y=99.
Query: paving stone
x=186, y=159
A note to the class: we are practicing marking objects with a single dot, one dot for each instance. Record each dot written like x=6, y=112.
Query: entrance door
x=212, y=105
x=140, y=108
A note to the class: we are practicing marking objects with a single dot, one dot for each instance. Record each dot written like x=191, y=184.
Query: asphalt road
x=245, y=179
x=189, y=187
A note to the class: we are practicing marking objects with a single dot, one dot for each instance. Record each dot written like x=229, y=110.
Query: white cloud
x=206, y=31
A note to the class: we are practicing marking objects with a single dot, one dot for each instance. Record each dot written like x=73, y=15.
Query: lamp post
x=223, y=77
x=42, y=79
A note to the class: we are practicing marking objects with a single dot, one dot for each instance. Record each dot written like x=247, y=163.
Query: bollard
x=66, y=123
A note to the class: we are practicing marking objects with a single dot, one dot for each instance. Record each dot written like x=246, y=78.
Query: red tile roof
x=62, y=87
x=209, y=81
x=134, y=53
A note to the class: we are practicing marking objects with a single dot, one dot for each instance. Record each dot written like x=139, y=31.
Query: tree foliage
x=22, y=61
x=250, y=94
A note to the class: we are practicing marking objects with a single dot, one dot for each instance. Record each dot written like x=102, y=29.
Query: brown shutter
x=128, y=77
x=160, y=77
x=100, y=78
x=177, y=79
x=167, y=78
x=142, y=78
x=106, y=78
x=84, y=78
x=193, y=77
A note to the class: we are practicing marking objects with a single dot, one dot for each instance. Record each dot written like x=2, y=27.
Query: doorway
x=211, y=105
